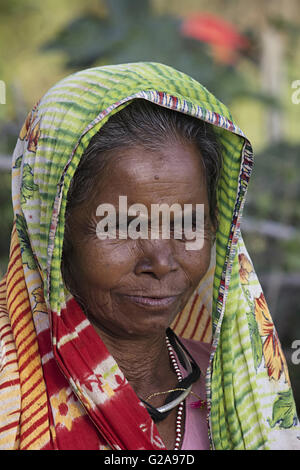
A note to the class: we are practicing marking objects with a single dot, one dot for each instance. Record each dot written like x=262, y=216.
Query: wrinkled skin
x=102, y=272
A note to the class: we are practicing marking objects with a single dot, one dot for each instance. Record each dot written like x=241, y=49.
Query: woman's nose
x=156, y=259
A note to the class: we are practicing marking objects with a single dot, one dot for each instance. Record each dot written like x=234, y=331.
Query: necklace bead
x=178, y=425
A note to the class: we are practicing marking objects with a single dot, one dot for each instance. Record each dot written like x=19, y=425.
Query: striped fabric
x=22, y=384
x=250, y=401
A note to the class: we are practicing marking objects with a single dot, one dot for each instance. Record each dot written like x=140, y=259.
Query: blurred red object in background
x=225, y=41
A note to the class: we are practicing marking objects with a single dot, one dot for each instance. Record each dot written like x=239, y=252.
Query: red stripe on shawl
x=32, y=356
x=12, y=287
x=7, y=343
x=189, y=315
x=11, y=254
x=197, y=322
x=29, y=359
x=205, y=329
x=9, y=383
x=30, y=430
x=9, y=426
x=28, y=377
x=30, y=404
x=12, y=262
x=5, y=334
x=25, y=337
x=4, y=326
x=15, y=412
x=174, y=102
x=177, y=320
x=19, y=315
x=8, y=353
x=161, y=95
x=23, y=289
x=13, y=361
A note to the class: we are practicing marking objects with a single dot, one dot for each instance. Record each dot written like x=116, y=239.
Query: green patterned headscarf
x=250, y=401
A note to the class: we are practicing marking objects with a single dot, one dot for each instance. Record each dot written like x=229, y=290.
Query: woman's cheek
x=195, y=262
x=106, y=262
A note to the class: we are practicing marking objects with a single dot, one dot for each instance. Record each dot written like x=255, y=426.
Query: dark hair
x=143, y=123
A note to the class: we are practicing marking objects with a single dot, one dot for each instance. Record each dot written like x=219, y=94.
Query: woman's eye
x=176, y=228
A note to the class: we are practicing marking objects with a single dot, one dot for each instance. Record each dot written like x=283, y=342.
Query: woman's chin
x=144, y=324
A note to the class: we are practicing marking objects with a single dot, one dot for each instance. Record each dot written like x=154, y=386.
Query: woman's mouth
x=156, y=302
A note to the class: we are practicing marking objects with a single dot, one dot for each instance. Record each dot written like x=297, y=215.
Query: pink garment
x=196, y=427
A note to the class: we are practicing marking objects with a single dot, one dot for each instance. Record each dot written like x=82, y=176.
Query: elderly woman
x=119, y=342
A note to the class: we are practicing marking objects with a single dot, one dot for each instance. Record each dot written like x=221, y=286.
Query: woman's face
x=118, y=280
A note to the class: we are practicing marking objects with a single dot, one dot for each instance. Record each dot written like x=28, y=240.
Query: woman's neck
x=146, y=364
x=144, y=361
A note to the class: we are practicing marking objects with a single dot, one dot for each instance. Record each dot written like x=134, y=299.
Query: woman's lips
x=152, y=301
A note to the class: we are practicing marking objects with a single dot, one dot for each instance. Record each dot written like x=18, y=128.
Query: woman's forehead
x=174, y=161
x=172, y=174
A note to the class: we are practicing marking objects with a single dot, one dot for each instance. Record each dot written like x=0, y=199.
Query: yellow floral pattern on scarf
x=273, y=356
x=245, y=268
x=31, y=131
x=66, y=409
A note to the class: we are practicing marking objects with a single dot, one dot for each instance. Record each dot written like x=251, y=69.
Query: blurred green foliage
x=273, y=196
x=277, y=184
x=131, y=31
